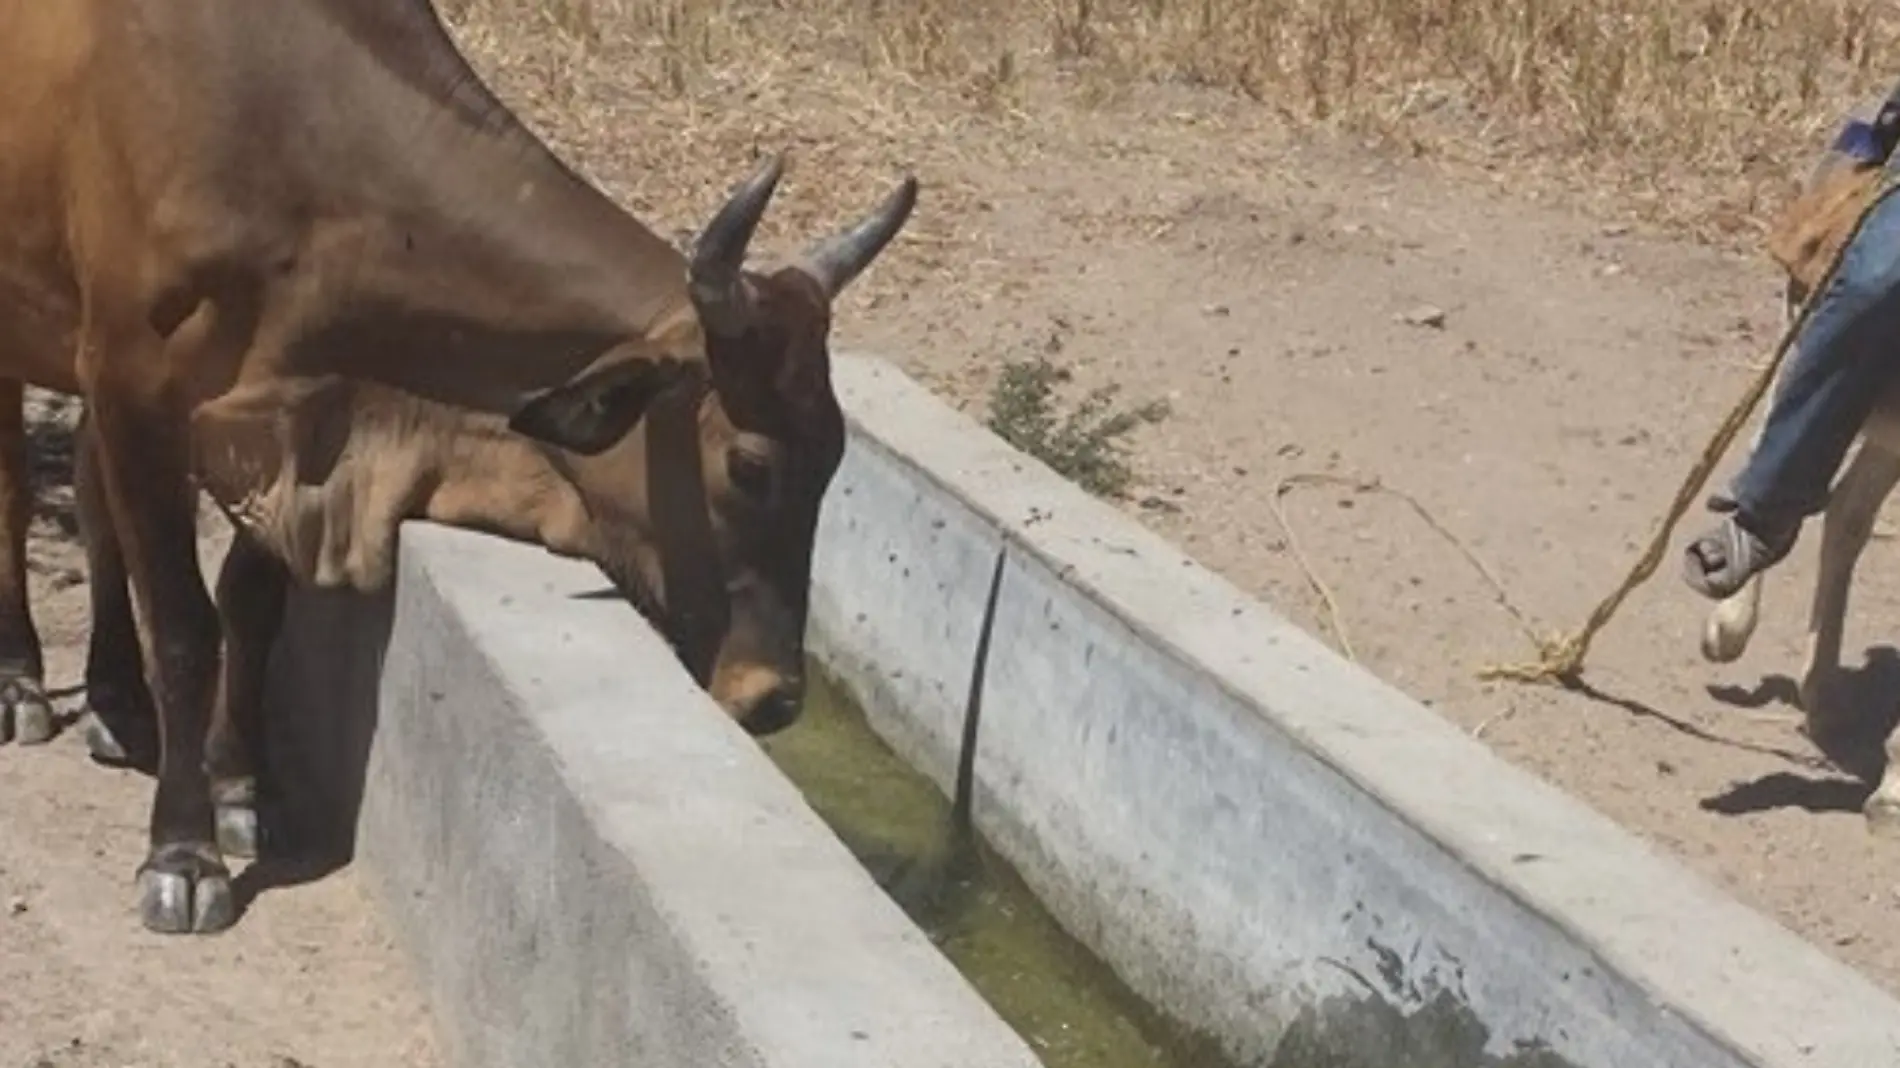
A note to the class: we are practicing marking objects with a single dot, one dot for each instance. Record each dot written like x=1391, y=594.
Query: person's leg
x=1843, y=356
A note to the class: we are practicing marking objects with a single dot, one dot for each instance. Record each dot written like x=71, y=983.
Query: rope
x=1335, y=618
x=1560, y=658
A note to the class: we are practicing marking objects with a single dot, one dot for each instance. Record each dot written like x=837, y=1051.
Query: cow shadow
x=1786, y=789
x=1867, y=698
x=322, y=711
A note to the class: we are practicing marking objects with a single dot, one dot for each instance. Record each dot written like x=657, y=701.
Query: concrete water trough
x=1277, y=855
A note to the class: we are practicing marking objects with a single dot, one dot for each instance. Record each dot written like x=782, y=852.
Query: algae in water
x=1063, y=1000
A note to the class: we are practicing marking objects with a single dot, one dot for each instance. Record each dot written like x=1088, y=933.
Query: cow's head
x=706, y=514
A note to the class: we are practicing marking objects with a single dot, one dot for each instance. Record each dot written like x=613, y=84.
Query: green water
x=1069, y=1006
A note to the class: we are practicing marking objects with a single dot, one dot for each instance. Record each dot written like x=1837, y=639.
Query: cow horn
x=713, y=279
x=838, y=260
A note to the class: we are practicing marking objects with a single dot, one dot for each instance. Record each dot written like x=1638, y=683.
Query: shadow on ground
x=321, y=712
x=1863, y=699
x=1643, y=710
x=1785, y=789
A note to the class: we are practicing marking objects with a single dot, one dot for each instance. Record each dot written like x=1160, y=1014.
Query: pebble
x=1424, y=315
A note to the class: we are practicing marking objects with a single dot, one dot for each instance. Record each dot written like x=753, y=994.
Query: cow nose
x=775, y=711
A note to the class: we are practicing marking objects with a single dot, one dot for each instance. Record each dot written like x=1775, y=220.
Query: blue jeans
x=1845, y=355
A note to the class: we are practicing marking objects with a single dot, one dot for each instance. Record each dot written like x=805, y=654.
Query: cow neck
x=493, y=271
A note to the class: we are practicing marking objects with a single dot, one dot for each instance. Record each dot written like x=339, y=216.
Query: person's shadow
x=1867, y=702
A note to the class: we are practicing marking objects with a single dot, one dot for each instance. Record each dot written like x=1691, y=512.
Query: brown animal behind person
x=282, y=253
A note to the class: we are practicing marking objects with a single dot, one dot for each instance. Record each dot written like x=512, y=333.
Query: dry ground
x=1134, y=191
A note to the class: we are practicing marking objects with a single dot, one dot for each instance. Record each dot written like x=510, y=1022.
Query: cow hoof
x=26, y=716
x=1722, y=644
x=238, y=831
x=1883, y=816
x=245, y=823
x=101, y=742
x=185, y=889
x=127, y=743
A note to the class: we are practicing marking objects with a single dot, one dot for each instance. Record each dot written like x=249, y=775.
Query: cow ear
x=589, y=414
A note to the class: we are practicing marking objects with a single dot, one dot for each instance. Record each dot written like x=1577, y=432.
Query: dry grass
x=1690, y=110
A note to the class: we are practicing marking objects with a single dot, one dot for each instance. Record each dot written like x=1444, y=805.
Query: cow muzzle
x=763, y=700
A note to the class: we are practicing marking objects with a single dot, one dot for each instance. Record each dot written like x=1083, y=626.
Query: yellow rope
x=1560, y=658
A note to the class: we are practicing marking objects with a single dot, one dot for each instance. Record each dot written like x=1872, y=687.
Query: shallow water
x=1073, y=1011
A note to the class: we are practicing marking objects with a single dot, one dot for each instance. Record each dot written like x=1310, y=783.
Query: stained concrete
x=590, y=862
x=1260, y=836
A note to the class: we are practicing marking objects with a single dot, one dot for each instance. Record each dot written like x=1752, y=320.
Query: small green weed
x=1086, y=446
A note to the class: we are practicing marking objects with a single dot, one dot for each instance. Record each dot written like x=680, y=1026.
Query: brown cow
x=284, y=251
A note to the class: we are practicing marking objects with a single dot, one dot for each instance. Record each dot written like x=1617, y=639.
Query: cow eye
x=749, y=474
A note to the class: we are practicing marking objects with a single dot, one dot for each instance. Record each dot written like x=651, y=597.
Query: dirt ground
x=1181, y=244
x=309, y=978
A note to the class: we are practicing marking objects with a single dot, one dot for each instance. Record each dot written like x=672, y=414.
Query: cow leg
x=1882, y=808
x=1848, y=523
x=252, y=587
x=144, y=454
x=121, y=722
x=1731, y=622
x=26, y=715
